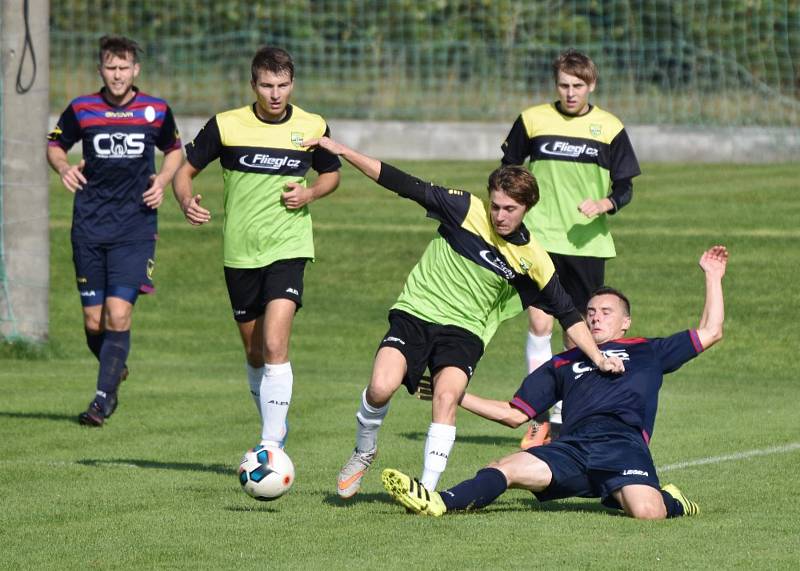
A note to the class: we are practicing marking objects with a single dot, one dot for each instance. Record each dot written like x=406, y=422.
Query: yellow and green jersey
x=573, y=158
x=258, y=158
x=469, y=275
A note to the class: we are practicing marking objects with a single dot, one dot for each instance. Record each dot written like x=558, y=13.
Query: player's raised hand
x=154, y=195
x=72, y=176
x=296, y=196
x=611, y=365
x=194, y=213
x=326, y=143
x=715, y=260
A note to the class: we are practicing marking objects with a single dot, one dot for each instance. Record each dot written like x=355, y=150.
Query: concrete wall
x=25, y=207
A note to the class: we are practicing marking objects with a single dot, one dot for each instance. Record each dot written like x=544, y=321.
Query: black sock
x=674, y=507
x=487, y=485
x=94, y=341
x=112, y=361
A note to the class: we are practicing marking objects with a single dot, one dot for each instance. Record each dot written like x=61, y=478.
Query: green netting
x=714, y=62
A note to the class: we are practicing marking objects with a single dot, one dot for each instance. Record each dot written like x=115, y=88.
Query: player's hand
x=326, y=143
x=154, y=196
x=591, y=208
x=714, y=261
x=194, y=213
x=296, y=196
x=424, y=389
x=611, y=365
x=72, y=177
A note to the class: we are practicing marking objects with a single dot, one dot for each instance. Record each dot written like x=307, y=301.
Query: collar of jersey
x=284, y=120
x=107, y=102
x=567, y=115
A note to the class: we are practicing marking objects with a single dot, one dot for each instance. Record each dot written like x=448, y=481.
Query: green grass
x=156, y=487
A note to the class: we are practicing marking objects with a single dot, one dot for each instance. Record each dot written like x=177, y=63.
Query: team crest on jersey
x=297, y=139
x=595, y=129
x=525, y=265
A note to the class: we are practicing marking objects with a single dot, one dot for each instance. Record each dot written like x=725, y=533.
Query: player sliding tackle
x=608, y=419
x=482, y=260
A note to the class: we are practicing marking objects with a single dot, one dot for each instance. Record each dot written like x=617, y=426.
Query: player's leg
x=388, y=372
x=252, y=335
x=641, y=501
x=93, y=328
x=278, y=379
x=538, y=352
x=449, y=385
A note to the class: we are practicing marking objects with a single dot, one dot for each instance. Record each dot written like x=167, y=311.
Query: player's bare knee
x=380, y=390
x=650, y=510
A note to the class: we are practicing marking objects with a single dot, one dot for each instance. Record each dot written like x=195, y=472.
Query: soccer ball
x=266, y=473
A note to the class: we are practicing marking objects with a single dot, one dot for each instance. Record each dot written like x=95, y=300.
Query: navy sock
x=94, y=341
x=487, y=485
x=113, y=355
x=674, y=507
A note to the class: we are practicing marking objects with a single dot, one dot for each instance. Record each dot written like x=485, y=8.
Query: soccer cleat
x=538, y=434
x=689, y=507
x=93, y=416
x=353, y=472
x=411, y=494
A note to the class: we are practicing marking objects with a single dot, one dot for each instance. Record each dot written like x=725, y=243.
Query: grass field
x=156, y=487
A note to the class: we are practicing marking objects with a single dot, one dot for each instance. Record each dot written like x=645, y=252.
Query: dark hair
x=607, y=290
x=517, y=182
x=269, y=58
x=119, y=46
x=575, y=63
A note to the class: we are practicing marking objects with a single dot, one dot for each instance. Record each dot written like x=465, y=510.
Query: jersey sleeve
x=516, y=147
x=325, y=161
x=67, y=131
x=449, y=206
x=675, y=350
x=538, y=391
x=552, y=299
x=168, y=139
x=624, y=163
x=206, y=146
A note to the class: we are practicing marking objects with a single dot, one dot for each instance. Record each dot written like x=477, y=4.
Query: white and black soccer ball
x=266, y=473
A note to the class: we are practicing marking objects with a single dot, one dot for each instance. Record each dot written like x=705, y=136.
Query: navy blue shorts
x=119, y=269
x=251, y=289
x=599, y=457
x=580, y=276
x=432, y=346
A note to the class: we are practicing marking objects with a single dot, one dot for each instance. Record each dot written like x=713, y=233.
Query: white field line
x=731, y=457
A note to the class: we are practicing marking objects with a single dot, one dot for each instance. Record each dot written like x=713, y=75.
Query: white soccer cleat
x=353, y=472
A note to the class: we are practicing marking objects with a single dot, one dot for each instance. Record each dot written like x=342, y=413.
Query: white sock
x=441, y=438
x=276, y=394
x=537, y=350
x=368, y=422
x=254, y=377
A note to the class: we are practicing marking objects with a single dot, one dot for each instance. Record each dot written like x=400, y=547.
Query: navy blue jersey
x=631, y=397
x=119, y=149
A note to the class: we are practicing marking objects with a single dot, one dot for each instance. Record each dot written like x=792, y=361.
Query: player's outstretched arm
x=713, y=262
x=71, y=175
x=496, y=410
x=154, y=195
x=580, y=335
x=369, y=166
x=189, y=203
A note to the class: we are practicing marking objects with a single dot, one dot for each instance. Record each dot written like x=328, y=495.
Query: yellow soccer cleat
x=689, y=507
x=411, y=494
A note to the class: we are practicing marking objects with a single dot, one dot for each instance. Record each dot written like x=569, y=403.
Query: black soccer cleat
x=93, y=416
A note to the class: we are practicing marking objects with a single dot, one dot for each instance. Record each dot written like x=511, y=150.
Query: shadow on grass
x=178, y=466
x=337, y=502
x=510, y=441
x=72, y=418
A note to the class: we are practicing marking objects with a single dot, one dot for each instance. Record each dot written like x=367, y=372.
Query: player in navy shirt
x=608, y=419
x=117, y=192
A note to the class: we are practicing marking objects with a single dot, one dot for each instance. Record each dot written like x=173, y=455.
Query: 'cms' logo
x=119, y=145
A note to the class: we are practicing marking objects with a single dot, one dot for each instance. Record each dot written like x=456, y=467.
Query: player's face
x=605, y=316
x=506, y=213
x=118, y=75
x=573, y=93
x=272, y=94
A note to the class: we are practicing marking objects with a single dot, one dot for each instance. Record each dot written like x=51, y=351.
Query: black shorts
x=432, y=346
x=580, y=276
x=114, y=269
x=596, y=459
x=251, y=289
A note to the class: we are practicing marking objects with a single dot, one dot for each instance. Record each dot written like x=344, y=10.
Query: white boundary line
x=731, y=457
